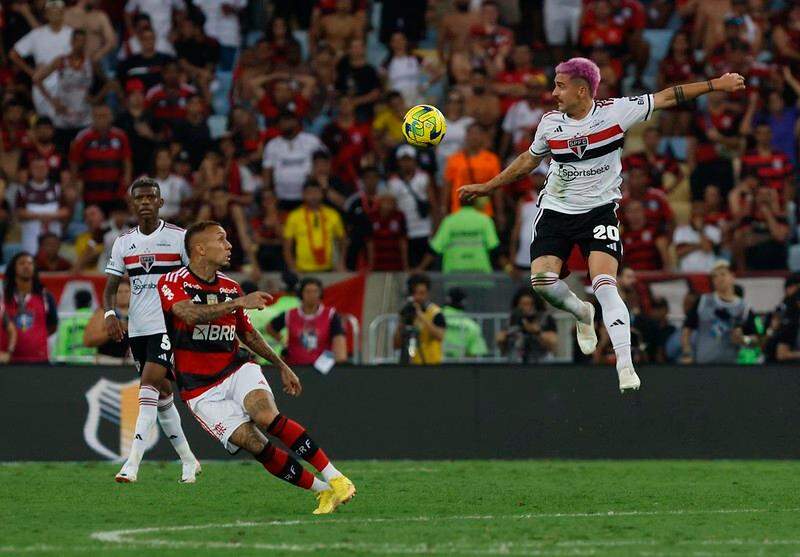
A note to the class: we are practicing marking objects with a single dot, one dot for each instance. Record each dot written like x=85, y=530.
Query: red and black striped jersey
x=100, y=158
x=205, y=353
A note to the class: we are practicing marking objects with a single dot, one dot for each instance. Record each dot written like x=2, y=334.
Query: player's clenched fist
x=291, y=383
x=255, y=300
x=729, y=82
x=114, y=328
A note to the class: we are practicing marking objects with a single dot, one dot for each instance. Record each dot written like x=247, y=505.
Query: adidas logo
x=133, y=246
x=617, y=322
x=173, y=436
x=138, y=437
x=558, y=130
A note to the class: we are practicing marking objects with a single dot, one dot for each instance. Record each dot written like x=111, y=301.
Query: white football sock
x=170, y=422
x=319, y=485
x=615, y=317
x=558, y=294
x=330, y=472
x=148, y=402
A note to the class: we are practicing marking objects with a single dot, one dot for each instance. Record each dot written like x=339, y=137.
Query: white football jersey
x=145, y=258
x=586, y=168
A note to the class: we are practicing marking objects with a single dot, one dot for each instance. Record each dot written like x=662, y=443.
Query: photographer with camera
x=422, y=326
x=531, y=335
x=719, y=324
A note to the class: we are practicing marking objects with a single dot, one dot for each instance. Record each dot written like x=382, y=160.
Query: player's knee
x=265, y=417
x=165, y=389
x=543, y=282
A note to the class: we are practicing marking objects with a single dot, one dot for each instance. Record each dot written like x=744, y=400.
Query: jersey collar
x=156, y=231
x=591, y=112
x=202, y=280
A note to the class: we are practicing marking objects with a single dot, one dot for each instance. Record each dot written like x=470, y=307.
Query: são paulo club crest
x=111, y=419
x=147, y=261
x=578, y=145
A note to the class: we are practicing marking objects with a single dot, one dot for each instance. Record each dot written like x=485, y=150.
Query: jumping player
x=224, y=389
x=145, y=253
x=578, y=204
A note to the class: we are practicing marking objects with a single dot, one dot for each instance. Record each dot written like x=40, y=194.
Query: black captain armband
x=680, y=97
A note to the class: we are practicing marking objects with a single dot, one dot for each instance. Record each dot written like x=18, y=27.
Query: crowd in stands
x=281, y=120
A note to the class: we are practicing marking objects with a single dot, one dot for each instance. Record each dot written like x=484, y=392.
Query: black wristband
x=710, y=85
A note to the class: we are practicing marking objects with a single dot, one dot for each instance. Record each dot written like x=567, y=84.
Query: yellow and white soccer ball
x=424, y=125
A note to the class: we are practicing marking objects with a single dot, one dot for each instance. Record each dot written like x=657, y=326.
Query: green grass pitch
x=646, y=508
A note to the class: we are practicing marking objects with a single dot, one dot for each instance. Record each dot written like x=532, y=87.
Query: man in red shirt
x=100, y=159
x=645, y=249
x=662, y=169
x=167, y=101
x=348, y=141
x=225, y=391
x=387, y=247
x=48, y=259
x=656, y=206
x=773, y=167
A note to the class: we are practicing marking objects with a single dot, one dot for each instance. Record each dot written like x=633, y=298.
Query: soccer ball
x=424, y=125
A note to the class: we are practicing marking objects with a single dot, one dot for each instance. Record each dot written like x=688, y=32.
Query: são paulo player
x=584, y=138
x=224, y=389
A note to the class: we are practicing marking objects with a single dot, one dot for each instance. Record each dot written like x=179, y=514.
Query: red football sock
x=281, y=465
x=294, y=436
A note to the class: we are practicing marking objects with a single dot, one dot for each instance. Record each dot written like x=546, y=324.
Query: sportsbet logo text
x=568, y=172
x=214, y=332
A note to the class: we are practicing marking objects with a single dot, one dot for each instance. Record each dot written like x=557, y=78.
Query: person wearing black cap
x=463, y=336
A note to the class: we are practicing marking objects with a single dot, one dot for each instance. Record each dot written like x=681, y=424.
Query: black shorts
x=556, y=233
x=155, y=348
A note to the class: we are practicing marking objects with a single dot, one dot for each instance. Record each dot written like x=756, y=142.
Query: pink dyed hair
x=581, y=68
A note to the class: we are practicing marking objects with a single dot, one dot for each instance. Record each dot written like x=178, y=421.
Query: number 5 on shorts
x=165, y=344
x=603, y=232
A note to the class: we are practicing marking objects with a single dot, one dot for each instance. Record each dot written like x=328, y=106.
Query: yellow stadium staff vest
x=429, y=349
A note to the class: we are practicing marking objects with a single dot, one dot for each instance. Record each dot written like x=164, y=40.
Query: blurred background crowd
x=281, y=120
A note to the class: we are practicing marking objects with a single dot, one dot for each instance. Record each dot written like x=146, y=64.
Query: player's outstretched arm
x=523, y=165
x=673, y=96
x=255, y=342
x=192, y=314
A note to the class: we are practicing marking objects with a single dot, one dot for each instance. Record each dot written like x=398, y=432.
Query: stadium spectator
x=32, y=309
x=100, y=161
x=601, y=29
x=511, y=83
x=41, y=145
x=531, y=336
x=522, y=118
x=137, y=124
x=356, y=78
x=338, y=28
x=697, y=243
x=499, y=40
x=457, y=124
x=44, y=44
x=222, y=25
x=661, y=338
x=90, y=245
x=662, y=169
x=520, y=237
x=463, y=337
x=562, y=25
x=474, y=164
x=157, y=13
x=782, y=119
x=230, y=215
x=715, y=141
x=108, y=350
x=312, y=233
x=678, y=66
x=415, y=193
x=287, y=161
x=8, y=335
x=465, y=240
x=146, y=66
x=348, y=140
x=69, y=347
x=285, y=300
x=454, y=29
x=482, y=103
x=718, y=323
x=420, y=333
x=387, y=243
x=313, y=328
x=48, y=259
x=402, y=70
x=285, y=50
x=175, y=191
x=193, y=132
x=197, y=53
x=759, y=241
x=167, y=100
x=658, y=212
x=267, y=229
x=101, y=39
x=357, y=208
x=279, y=97
x=387, y=126
x=773, y=168
x=118, y=223
x=40, y=205
x=645, y=247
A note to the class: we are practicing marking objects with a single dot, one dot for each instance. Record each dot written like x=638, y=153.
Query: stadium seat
x=217, y=124
x=221, y=92
x=659, y=40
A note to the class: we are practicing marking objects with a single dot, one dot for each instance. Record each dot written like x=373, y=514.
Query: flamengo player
x=578, y=204
x=145, y=253
x=224, y=389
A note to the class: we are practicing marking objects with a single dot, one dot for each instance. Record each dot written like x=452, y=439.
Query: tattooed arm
x=673, y=96
x=191, y=313
x=112, y=324
x=255, y=342
x=523, y=165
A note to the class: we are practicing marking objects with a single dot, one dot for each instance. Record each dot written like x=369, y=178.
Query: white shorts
x=561, y=22
x=220, y=410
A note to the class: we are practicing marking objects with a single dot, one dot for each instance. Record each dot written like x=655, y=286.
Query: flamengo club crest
x=146, y=261
x=111, y=418
x=578, y=145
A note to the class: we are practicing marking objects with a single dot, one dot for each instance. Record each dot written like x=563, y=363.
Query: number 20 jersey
x=205, y=353
x=585, y=171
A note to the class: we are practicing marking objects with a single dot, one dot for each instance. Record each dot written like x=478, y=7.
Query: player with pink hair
x=578, y=203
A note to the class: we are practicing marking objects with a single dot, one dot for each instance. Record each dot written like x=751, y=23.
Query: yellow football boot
x=343, y=488
x=327, y=502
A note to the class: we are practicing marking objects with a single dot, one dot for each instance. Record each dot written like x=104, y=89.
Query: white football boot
x=190, y=471
x=587, y=336
x=628, y=380
x=128, y=473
